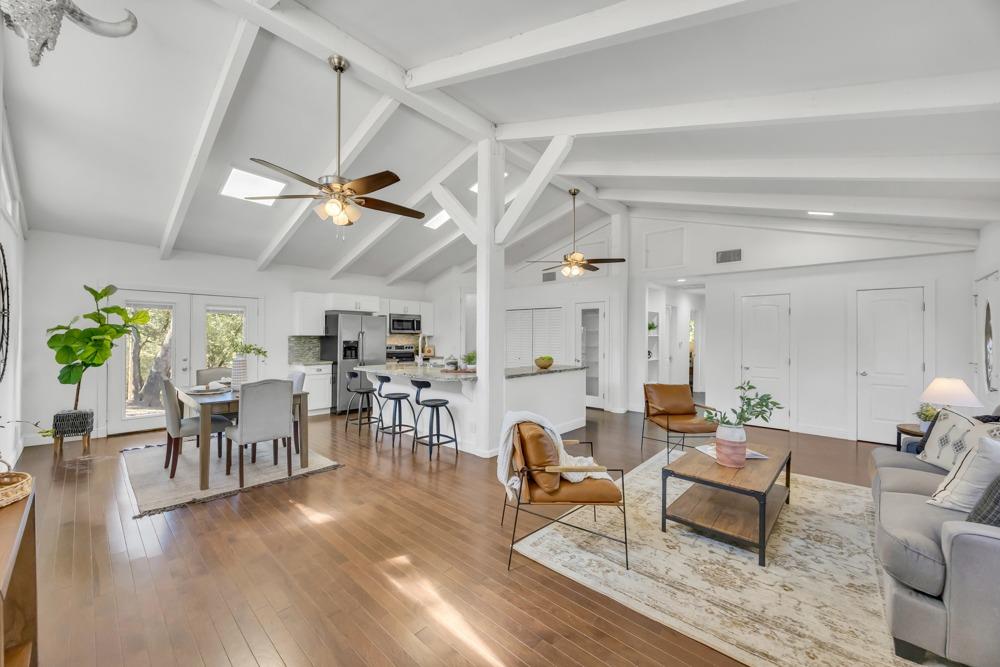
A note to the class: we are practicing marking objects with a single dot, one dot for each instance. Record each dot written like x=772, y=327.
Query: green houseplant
x=469, y=359
x=926, y=414
x=731, y=436
x=240, y=353
x=79, y=348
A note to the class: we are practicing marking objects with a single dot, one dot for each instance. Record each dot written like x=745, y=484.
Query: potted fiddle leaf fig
x=241, y=352
x=79, y=348
x=731, y=436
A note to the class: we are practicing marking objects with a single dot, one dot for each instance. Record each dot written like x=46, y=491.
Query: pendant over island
x=557, y=393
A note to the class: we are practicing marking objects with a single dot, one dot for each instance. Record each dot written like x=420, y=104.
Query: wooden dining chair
x=265, y=414
x=179, y=427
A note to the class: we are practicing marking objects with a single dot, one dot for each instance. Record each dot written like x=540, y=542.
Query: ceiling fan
x=342, y=196
x=575, y=263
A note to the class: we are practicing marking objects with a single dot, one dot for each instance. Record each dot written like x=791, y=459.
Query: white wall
x=446, y=293
x=987, y=256
x=824, y=331
x=57, y=265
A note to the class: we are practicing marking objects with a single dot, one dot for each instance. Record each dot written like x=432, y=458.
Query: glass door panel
x=219, y=324
x=590, y=350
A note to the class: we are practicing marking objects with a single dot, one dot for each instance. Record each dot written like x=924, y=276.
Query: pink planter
x=731, y=446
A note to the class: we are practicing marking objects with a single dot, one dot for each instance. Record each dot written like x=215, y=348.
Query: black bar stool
x=397, y=427
x=434, y=437
x=364, y=396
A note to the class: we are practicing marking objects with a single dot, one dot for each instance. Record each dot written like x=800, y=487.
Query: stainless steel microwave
x=404, y=324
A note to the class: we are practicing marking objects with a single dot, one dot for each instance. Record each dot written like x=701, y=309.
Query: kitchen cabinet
x=320, y=388
x=427, y=318
x=358, y=302
x=404, y=307
x=308, y=316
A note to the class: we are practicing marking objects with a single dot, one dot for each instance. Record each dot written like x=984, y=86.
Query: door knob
x=746, y=368
x=863, y=373
x=184, y=368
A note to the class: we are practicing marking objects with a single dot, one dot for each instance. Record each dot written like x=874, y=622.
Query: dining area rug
x=155, y=492
x=817, y=602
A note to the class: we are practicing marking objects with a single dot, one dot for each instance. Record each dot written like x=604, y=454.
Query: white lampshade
x=950, y=391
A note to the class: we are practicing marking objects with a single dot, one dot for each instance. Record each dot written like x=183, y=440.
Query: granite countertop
x=529, y=371
x=417, y=372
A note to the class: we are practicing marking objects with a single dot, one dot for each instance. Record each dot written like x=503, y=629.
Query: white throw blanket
x=505, y=454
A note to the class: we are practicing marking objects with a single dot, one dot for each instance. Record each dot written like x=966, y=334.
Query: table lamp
x=950, y=392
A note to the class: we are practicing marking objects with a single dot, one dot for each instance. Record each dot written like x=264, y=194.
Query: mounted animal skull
x=38, y=22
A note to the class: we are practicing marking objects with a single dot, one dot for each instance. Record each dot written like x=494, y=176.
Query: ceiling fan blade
x=388, y=207
x=606, y=260
x=372, y=182
x=288, y=197
x=290, y=174
x=552, y=268
x=589, y=267
x=542, y=261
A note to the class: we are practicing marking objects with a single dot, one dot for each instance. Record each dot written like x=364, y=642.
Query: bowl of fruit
x=543, y=362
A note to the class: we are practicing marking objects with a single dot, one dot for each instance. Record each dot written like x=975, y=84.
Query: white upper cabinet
x=427, y=317
x=360, y=302
x=404, y=307
x=308, y=313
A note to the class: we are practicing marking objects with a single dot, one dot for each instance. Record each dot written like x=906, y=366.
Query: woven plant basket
x=14, y=485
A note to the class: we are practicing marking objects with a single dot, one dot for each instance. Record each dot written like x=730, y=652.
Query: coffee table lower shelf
x=731, y=514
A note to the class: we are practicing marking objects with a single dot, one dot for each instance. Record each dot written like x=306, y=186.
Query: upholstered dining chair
x=672, y=408
x=298, y=379
x=179, y=427
x=535, y=461
x=265, y=414
x=206, y=375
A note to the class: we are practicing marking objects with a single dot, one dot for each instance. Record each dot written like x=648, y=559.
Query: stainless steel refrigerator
x=360, y=342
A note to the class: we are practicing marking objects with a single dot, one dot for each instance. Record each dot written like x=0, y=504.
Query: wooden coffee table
x=740, y=504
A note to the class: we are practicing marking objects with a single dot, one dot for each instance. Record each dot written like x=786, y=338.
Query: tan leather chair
x=672, y=408
x=536, y=463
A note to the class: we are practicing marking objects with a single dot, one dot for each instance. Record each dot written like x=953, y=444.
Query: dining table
x=205, y=404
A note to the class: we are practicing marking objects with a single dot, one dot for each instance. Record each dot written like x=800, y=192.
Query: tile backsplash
x=401, y=339
x=303, y=349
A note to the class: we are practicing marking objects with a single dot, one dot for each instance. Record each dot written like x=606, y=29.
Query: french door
x=590, y=350
x=765, y=354
x=185, y=332
x=890, y=359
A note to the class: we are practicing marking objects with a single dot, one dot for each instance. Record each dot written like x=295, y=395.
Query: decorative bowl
x=543, y=363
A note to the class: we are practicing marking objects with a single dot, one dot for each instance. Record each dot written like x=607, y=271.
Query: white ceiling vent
x=725, y=256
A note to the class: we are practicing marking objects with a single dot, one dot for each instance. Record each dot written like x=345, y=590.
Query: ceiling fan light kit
x=343, y=198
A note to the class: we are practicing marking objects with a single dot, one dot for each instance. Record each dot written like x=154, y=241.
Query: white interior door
x=890, y=359
x=765, y=354
x=591, y=343
x=217, y=324
x=162, y=349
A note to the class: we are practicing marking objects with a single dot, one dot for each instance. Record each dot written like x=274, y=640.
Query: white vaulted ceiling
x=887, y=112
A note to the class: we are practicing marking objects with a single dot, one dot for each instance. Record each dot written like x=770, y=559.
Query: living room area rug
x=155, y=492
x=817, y=602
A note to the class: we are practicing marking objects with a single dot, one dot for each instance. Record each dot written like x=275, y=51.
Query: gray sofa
x=943, y=589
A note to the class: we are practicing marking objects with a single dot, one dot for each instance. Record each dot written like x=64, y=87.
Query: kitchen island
x=557, y=393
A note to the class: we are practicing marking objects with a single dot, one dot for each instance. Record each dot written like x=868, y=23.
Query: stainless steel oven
x=404, y=324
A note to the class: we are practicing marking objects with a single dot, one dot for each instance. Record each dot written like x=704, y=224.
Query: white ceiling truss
x=643, y=105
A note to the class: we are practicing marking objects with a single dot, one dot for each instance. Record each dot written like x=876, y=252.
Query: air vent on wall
x=724, y=256
x=549, y=277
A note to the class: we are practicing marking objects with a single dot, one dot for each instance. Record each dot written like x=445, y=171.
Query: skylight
x=242, y=184
x=475, y=186
x=438, y=220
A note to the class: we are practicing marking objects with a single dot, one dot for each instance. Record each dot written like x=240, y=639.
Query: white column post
x=618, y=371
x=490, y=307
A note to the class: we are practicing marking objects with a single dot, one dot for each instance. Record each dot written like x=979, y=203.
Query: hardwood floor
x=389, y=560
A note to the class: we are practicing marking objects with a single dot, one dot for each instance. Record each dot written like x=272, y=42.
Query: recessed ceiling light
x=475, y=186
x=823, y=213
x=438, y=220
x=682, y=280
x=242, y=184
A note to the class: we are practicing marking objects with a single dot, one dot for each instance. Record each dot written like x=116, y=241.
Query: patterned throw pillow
x=966, y=484
x=987, y=510
x=946, y=439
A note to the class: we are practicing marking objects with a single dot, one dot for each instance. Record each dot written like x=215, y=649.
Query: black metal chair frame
x=364, y=399
x=522, y=475
x=397, y=427
x=671, y=444
x=431, y=433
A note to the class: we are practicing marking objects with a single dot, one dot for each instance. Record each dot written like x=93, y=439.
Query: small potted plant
x=651, y=326
x=240, y=354
x=469, y=361
x=78, y=349
x=926, y=414
x=731, y=436
x=543, y=362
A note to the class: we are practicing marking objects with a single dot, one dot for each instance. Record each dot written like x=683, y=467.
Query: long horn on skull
x=104, y=28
